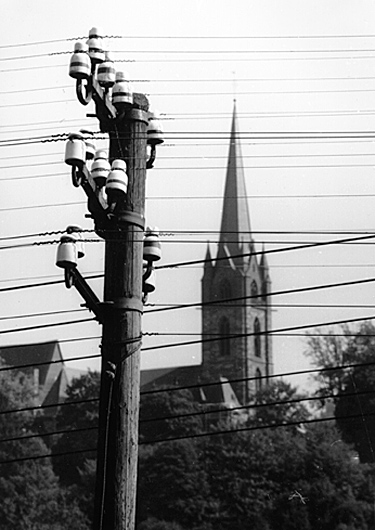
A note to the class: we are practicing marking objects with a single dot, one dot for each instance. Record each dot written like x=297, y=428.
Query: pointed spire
x=263, y=259
x=235, y=229
x=208, y=259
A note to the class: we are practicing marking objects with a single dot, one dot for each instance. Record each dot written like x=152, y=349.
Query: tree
x=327, y=351
x=265, y=479
x=79, y=417
x=172, y=484
x=278, y=403
x=167, y=414
x=155, y=524
x=29, y=490
x=353, y=387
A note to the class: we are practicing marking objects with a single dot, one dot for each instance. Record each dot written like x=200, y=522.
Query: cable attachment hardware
x=111, y=372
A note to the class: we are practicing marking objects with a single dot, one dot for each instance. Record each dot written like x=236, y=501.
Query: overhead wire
x=202, y=80
x=204, y=412
x=151, y=305
x=216, y=51
x=264, y=252
x=178, y=388
x=43, y=314
x=197, y=157
x=216, y=432
x=187, y=116
x=195, y=37
x=220, y=59
x=49, y=325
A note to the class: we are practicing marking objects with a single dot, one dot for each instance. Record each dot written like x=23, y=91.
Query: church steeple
x=243, y=349
x=235, y=231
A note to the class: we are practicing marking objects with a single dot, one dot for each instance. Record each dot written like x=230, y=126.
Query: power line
x=42, y=314
x=183, y=52
x=179, y=388
x=255, y=428
x=209, y=80
x=196, y=37
x=152, y=305
x=263, y=377
x=49, y=325
x=198, y=435
x=189, y=241
x=15, y=208
x=203, y=116
x=261, y=333
x=44, y=434
x=171, y=233
x=44, y=284
x=221, y=134
x=263, y=252
x=258, y=406
x=197, y=157
x=216, y=141
x=200, y=94
x=203, y=412
x=205, y=60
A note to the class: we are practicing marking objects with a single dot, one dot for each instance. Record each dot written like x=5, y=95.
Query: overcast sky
x=302, y=75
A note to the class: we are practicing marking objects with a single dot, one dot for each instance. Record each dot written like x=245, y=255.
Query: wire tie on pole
x=126, y=304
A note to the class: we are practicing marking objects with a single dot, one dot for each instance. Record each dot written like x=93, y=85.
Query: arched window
x=254, y=291
x=225, y=290
x=224, y=331
x=258, y=380
x=257, y=339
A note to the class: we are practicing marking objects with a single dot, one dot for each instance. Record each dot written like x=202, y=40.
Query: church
x=236, y=304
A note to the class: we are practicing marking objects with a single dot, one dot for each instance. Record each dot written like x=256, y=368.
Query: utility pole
x=118, y=216
x=120, y=377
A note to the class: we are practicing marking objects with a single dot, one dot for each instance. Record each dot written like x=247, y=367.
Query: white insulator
x=75, y=150
x=100, y=168
x=66, y=257
x=117, y=181
x=75, y=233
x=151, y=245
x=106, y=73
x=80, y=63
x=95, y=44
x=122, y=93
x=155, y=133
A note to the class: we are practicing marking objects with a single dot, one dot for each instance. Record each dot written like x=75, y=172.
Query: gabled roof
x=39, y=354
x=47, y=358
x=235, y=229
x=222, y=393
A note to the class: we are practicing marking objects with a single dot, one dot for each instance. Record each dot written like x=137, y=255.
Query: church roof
x=47, y=359
x=235, y=230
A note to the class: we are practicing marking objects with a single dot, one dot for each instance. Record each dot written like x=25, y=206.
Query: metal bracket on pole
x=96, y=206
x=84, y=91
x=151, y=160
x=74, y=278
x=132, y=218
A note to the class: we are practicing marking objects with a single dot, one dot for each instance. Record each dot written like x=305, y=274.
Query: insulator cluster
x=89, y=61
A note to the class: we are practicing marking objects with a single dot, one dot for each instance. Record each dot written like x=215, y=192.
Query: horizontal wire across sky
x=339, y=71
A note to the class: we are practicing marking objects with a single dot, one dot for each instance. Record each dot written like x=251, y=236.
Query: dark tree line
x=354, y=387
x=266, y=475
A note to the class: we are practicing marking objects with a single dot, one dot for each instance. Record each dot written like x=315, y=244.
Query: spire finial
x=234, y=86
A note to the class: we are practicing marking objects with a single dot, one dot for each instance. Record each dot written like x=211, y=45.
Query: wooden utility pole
x=116, y=201
x=120, y=380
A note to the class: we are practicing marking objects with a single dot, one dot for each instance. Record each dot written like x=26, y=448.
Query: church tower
x=235, y=286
